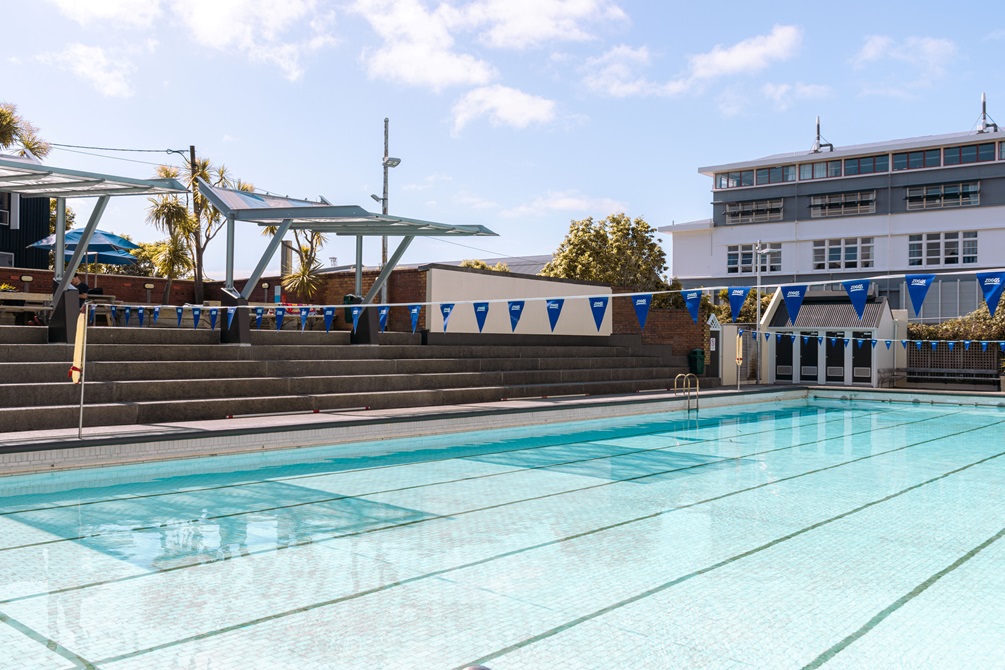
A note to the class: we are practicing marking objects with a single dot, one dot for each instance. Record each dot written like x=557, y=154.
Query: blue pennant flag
x=859, y=342
x=1001, y=345
x=845, y=342
x=413, y=311
x=873, y=343
x=792, y=338
x=820, y=340
x=858, y=292
x=966, y=345
x=778, y=337
x=157, y=314
x=213, y=313
x=888, y=343
x=196, y=315
x=692, y=300
x=737, y=296
x=934, y=345
x=355, y=311
x=304, y=313
x=128, y=310
x=515, y=312
x=481, y=311
x=806, y=339
x=259, y=311
x=446, y=309
x=904, y=343
x=917, y=344
x=179, y=311
x=984, y=346
x=140, y=314
x=90, y=318
x=917, y=288
x=329, y=317
x=280, y=314
x=382, y=313
x=767, y=336
x=793, y=296
x=231, y=311
x=555, y=311
x=951, y=345
x=599, y=307
x=642, y=303
x=992, y=284
x=113, y=310
x=834, y=341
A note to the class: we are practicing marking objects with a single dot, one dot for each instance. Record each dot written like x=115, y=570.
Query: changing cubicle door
x=783, y=358
x=861, y=357
x=834, y=349
x=809, y=357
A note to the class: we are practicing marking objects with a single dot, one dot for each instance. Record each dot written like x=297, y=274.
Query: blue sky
x=519, y=115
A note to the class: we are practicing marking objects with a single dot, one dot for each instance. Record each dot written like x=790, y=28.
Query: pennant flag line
x=280, y=314
x=692, y=300
x=329, y=314
x=213, y=313
x=445, y=309
x=515, y=312
x=992, y=284
x=555, y=311
x=355, y=311
x=642, y=303
x=599, y=307
x=793, y=297
x=382, y=313
x=737, y=296
x=858, y=292
x=481, y=312
x=413, y=311
x=231, y=311
x=917, y=288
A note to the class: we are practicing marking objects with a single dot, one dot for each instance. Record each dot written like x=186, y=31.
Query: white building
x=931, y=204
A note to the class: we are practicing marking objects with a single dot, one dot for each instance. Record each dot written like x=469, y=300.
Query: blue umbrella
x=100, y=241
x=107, y=257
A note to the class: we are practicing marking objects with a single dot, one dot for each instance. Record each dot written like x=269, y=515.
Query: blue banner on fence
x=355, y=311
x=599, y=307
x=90, y=318
x=984, y=346
x=737, y=296
x=178, y=311
x=966, y=345
x=280, y=314
x=413, y=311
x=446, y=309
x=858, y=292
x=231, y=311
x=992, y=284
x=515, y=312
x=157, y=314
x=917, y=288
x=888, y=343
x=382, y=313
x=213, y=313
x=196, y=316
x=642, y=303
x=304, y=313
x=481, y=311
x=113, y=310
x=951, y=344
x=258, y=317
x=555, y=311
x=793, y=296
x=329, y=317
x=140, y=314
x=778, y=337
x=692, y=299
x=917, y=345
x=128, y=311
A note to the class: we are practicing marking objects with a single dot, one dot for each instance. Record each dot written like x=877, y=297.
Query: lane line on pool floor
x=48, y=643
x=900, y=602
x=491, y=507
x=578, y=620
x=518, y=470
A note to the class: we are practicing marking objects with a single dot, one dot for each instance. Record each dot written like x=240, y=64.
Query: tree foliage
x=19, y=133
x=479, y=264
x=977, y=325
x=618, y=251
x=748, y=313
x=71, y=217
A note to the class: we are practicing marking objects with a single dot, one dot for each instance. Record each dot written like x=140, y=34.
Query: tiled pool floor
x=795, y=534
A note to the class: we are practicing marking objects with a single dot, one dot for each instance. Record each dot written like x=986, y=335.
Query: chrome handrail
x=687, y=388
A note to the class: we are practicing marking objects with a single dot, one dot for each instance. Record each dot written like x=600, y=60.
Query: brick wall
x=123, y=287
x=663, y=326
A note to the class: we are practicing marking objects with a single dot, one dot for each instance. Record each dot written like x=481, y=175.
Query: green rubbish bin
x=696, y=361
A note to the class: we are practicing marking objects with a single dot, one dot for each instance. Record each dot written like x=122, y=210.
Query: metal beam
x=25, y=175
x=229, y=280
x=386, y=272
x=81, y=249
x=59, y=257
x=49, y=186
x=359, y=265
x=270, y=251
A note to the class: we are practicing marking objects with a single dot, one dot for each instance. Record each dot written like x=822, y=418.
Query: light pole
x=758, y=253
x=388, y=162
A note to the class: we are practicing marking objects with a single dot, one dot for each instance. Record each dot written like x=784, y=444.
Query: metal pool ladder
x=687, y=388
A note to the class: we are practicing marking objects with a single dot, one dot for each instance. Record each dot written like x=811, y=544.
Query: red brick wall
x=663, y=326
x=123, y=287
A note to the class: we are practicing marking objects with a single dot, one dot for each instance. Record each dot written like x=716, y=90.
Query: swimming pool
x=807, y=533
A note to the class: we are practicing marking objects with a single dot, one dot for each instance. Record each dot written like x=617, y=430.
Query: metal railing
x=687, y=389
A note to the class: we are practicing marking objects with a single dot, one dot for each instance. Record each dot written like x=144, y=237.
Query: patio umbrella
x=104, y=247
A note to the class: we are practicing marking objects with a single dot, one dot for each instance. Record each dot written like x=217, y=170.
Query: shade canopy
x=100, y=241
x=114, y=257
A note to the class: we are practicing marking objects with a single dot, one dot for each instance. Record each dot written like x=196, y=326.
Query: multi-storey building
x=931, y=204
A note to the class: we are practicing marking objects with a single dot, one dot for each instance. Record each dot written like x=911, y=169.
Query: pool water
x=810, y=533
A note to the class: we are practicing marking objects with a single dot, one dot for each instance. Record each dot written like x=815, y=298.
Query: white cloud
x=520, y=24
x=135, y=13
x=426, y=183
x=566, y=201
x=473, y=201
x=14, y=60
x=928, y=57
x=503, y=106
x=617, y=72
x=784, y=95
x=259, y=29
x=108, y=75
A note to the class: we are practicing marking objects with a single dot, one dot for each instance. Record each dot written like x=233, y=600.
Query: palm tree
x=16, y=131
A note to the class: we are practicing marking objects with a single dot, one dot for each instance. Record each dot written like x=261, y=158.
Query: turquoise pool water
x=785, y=535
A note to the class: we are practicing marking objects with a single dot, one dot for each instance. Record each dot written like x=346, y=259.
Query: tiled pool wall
x=119, y=450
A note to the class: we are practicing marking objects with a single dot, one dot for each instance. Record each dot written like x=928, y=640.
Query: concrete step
x=131, y=335
x=23, y=335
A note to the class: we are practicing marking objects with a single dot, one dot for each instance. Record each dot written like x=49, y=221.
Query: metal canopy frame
x=341, y=220
x=29, y=177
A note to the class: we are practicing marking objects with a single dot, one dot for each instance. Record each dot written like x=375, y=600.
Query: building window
x=942, y=248
x=776, y=175
x=740, y=258
x=819, y=170
x=4, y=209
x=850, y=253
x=972, y=153
x=867, y=165
x=843, y=204
x=754, y=211
x=914, y=160
x=734, y=179
x=939, y=196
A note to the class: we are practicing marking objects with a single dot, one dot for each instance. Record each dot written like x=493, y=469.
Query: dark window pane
x=915, y=160
x=986, y=152
x=789, y=173
x=762, y=176
x=952, y=156
x=851, y=166
x=882, y=163
x=833, y=168
x=968, y=154
x=933, y=158
x=775, y=175
x=900, y=161
x=747, y=178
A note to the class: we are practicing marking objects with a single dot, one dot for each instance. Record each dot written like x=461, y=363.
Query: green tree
x=71, y=216
x=304, y=280
x=479, y=264
x=748, y=313
x=977, y=325
x=19, y=133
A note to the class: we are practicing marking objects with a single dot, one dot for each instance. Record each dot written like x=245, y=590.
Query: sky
x=518, y=115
